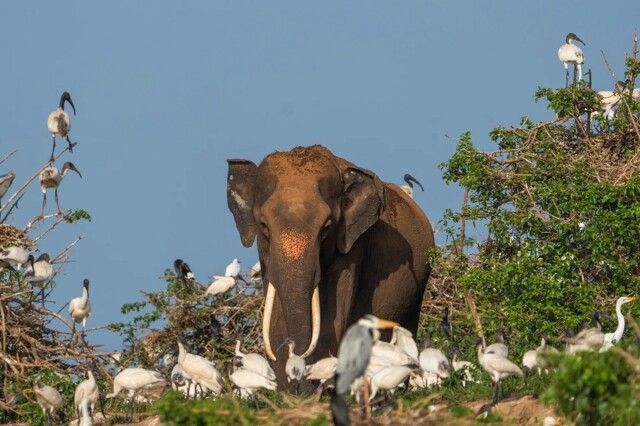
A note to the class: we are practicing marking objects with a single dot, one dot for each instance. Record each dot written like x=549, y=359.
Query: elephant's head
x=304, y=206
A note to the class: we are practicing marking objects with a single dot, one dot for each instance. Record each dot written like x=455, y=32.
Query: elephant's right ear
x=240, y=183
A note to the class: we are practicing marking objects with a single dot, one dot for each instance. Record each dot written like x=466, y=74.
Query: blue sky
x=166, y=92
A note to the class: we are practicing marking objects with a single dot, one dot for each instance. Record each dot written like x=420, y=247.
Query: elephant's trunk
x=315, y=321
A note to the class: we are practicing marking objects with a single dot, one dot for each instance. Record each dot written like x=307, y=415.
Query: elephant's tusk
x=315, y=322
x=266, y=320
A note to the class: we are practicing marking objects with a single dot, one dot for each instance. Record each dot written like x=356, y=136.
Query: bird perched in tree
x=354, y=352
x=80, y=307
x=15, y=256
x=48, y=399
x=233, y=269
x=183, y=271
x=51, y=177
x=39, y=271
x=408, y=188
x=220, y=285
x=59, y=122
x=135, y=380
x=5, y=183
x=569, y=53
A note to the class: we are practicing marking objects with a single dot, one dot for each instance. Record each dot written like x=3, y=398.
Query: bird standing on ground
x=254, y=362
x=434, y=364
x=59, y=122
x=80, y=307
x=498, y=368
x=248, y=381
x=86, y=389
x=233, y=269
x=589, y=339
x=296, y=365
x=5, y=183
x=610, y=339
x=500, y=347
x=403, y=338
x=354, y=352
x=51, y=177
x=569, y=53
x=135, y=380
x=48, y=399
x=201, y=370
x=408, y=188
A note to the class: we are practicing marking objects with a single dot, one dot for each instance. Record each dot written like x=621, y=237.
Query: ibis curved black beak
x=67, y=97
x=408, y=178
x=69, y=165
x=576, y=38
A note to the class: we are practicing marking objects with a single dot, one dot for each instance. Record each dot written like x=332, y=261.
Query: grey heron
x=610, y=339
x=59, y=122
x=354, y=352
x=569, y=53
x=51, y=177
x=80, y=307
x=408, y=188
x=48, y=399
x=135, y=380
x=5, y=183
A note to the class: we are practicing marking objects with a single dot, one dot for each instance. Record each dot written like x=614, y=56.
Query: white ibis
x=248, y=381
x=135, y=380
x=434, y=364
x=254, y=362
x=403, y=339
x=15, y=256
x=59, y=122
x=390, y=377
x=51, y=177
x=201, y=370
x=610, y=339
x=296, y=365
x=498, y=368
x=323, y=370
x=39, y=271
x=569, y=53
x=408, y=188
x=588, y=339
x=87, y=389
x=181, y=381
x=80, y=307
x=220, y=285
x=48, y=399
x=499, y=348
x=5, y=183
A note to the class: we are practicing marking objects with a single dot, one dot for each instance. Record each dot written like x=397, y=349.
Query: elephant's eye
x=326, y=229
x=264, y=228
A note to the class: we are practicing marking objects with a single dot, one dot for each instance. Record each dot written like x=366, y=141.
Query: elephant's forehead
x=301, y=162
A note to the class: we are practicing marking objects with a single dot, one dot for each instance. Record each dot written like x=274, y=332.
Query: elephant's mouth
x=266, y=322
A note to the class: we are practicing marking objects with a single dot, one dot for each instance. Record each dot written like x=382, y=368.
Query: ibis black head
x=66, y=97
x=43, y=256
x=409, y=179
x=69, y=166
x=572, y=36
x=85, y=284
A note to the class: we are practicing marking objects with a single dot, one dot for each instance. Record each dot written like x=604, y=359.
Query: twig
x=615, y=82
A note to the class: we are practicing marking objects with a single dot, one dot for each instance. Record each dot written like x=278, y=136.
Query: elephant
x=334, y=242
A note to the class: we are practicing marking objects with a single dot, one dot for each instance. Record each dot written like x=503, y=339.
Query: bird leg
x=54, y=149
x=130, y=409
x=365, y=396
x=71, y=144
x=44, y=203
x=566, y=83
x=59, y=212
x=496, y=393
x=575, y=73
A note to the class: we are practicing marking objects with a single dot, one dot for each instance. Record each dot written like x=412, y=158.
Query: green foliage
x=595, y=388
x=77, y=215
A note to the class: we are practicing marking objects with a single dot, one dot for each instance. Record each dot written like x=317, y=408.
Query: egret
x=80, y=307
x=295, y=367
x=408, y=188
x=610, y=339
x=5, y=183
x=183, y=271
x=59, y=122
x=499, y=348
x=233, y=269
x=254, y=362
x=51, y=177
x=433, y=362
x=201, y=370
x=403, y=338
x=86, y=389
x=354, y=352
x=221, y=285
x=15, y=256
x=569, y=53
x=135, y=380
x=498, y=368
x=48, y=399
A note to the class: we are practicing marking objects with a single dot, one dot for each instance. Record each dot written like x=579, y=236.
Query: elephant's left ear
x=363, y=200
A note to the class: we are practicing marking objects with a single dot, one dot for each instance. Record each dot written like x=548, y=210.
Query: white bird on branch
x=59, y=122
x=80, y=307
x=51, y=177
